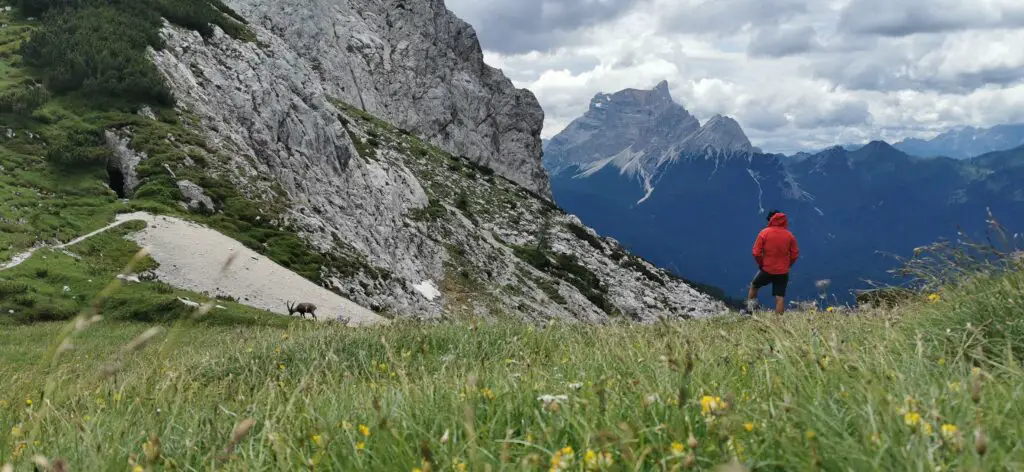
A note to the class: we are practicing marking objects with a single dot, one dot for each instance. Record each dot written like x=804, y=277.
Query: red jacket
x=775, y=249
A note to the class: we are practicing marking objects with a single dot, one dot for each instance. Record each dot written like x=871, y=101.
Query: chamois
x=302, y=309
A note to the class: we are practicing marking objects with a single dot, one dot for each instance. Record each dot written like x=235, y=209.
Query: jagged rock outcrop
x=124, y=160
x=417, y=65
x=195, y=198
x=399, y=214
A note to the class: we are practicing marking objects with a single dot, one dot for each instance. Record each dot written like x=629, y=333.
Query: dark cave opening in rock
x=116, y=180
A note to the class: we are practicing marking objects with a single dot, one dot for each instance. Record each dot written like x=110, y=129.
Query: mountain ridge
x=966, y=142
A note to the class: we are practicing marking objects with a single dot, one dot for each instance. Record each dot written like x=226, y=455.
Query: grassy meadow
x=934, y=385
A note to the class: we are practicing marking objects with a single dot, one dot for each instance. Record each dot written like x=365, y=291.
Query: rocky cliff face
x=420, y=230
x=414, y=64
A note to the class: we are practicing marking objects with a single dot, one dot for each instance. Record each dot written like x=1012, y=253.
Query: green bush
x=76, y=145
x=8, y=288
x=99, y=52
x=97, y=48
x=462, y=203
x=432, y=212
x=582, y=233
x=23, y=101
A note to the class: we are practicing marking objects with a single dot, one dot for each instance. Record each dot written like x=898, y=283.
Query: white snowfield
x=193, y=256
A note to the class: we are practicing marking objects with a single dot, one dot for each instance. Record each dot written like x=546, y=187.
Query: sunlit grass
x=877, y=391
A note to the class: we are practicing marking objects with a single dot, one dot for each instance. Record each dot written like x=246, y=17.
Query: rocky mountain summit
x=641, y=132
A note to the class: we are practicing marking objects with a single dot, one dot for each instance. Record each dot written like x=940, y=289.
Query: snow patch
x=427, y=289
x=760, y=191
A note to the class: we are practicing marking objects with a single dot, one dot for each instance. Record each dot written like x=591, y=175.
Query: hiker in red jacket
x=775, y=251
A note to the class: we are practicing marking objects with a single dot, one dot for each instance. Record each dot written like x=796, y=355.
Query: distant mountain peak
x=662, y=90
x=638, y=132
x=720, y=133
x=878, y=145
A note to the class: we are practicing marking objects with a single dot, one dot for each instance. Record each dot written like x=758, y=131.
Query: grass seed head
x=240, y=431
x=980, y=442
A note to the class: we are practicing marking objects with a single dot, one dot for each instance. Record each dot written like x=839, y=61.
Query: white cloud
x=796, y=74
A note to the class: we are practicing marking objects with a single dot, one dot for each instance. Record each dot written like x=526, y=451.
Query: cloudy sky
x=797, y=74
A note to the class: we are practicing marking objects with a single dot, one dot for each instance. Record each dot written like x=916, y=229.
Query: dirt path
x=191, y=257
x=24, y=256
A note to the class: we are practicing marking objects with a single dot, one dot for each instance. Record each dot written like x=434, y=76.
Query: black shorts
x=779, y=282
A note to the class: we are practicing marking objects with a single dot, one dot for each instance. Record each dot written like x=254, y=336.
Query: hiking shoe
x=752, y=305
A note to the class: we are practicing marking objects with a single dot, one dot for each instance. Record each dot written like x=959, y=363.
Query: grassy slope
x=806, y=392
x=45, y=203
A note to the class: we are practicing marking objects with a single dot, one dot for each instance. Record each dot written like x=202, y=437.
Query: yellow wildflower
x=360, y=446
x=927, y=428
x=597, y=460
x=942, y=361
x=677, y=448
x=831, y=309
x=417, y=469
x=912, y=418
x=138, y=468
x=811, y=435
x=280, y=366
x=934, y=297
x=487, y=393
x=460, y=466
x=364, y=430
x=316, y=439
x=955, y=387
x=561, y=459
x=748, y=426
x=949, y=431
x=28, y=402
x=16, y=432
x=710, y=404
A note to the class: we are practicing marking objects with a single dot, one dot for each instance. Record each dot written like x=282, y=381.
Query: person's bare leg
x=780, y=305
